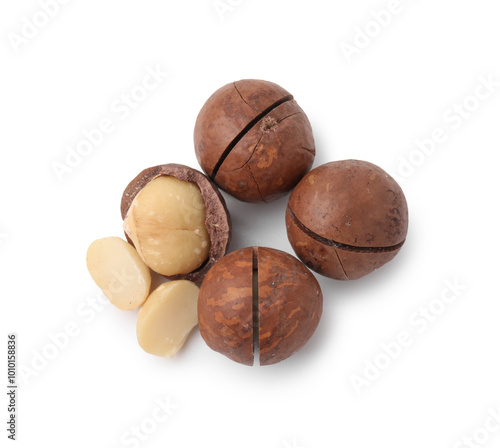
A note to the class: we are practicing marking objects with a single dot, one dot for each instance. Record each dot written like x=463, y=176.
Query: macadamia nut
x=259, y=299
x=345, y=219
x=118, y=270
x=217, y=219
x=253, y=140
x=166, y=223
x=167, y=318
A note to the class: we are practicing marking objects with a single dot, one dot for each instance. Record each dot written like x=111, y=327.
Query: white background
x=399, y=88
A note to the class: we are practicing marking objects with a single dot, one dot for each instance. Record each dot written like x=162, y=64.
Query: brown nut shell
x=253, y=140
x=217, y=221
x=346, y=219
x=290, y=305
x=225, y=307
x=259, y=298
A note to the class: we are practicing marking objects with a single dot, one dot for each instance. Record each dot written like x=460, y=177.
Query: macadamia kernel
x=167, y=318
x=166, y=223
x=118, y=270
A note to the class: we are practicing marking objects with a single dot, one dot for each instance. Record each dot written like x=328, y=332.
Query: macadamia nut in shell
x=253, y=140
x=177, y=220
x=259, y=299
x=345, y=219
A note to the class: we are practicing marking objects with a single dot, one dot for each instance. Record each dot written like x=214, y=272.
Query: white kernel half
x=118, y=270
x=167, y=318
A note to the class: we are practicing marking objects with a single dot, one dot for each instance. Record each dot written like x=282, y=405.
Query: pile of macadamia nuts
x=344, y=220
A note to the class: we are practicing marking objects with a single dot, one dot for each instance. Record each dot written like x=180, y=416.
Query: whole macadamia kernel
x=166, y=223
x=345, y=219
x=178, y=221
x=118, y=270
x=253, y=140
x=259, y=299
x=167, y=318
